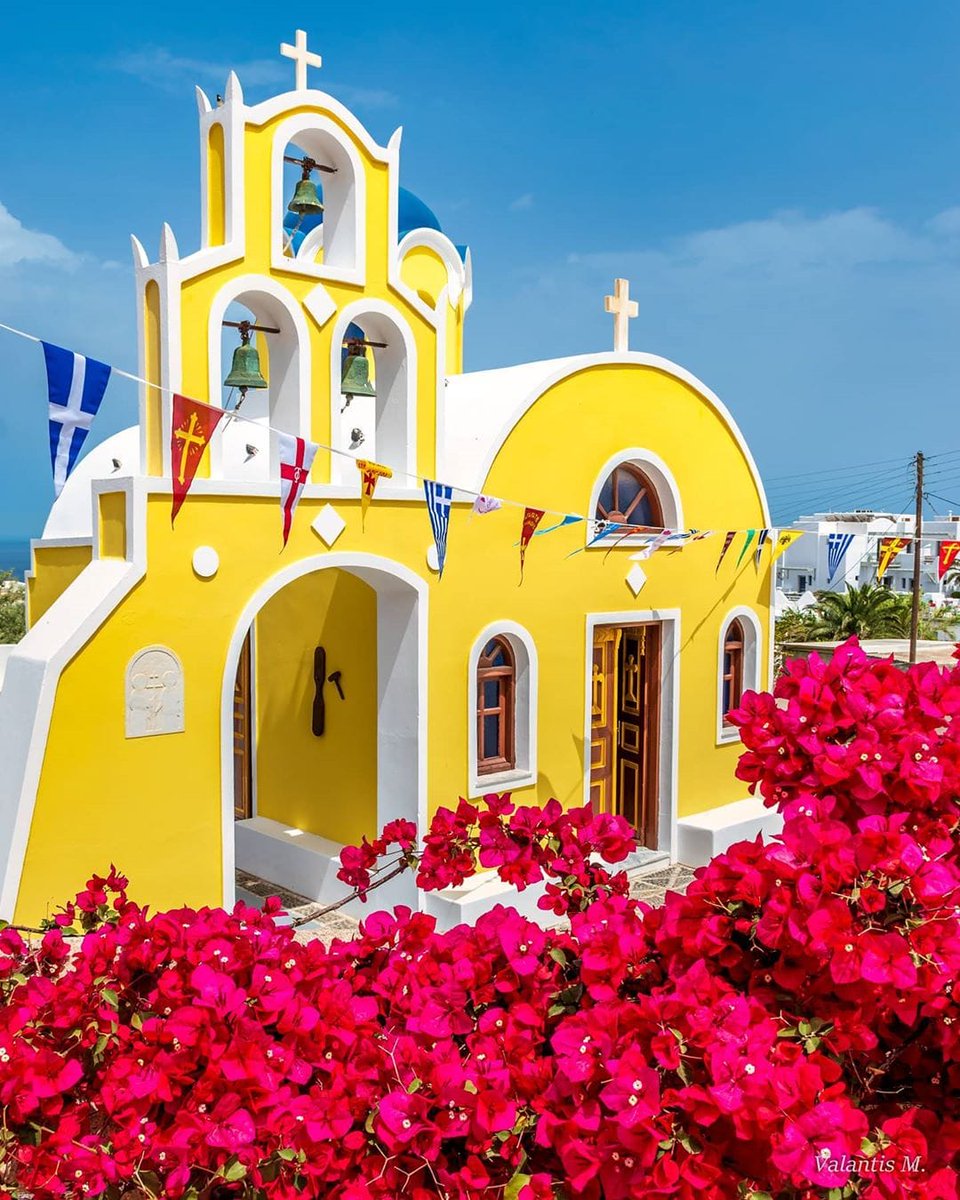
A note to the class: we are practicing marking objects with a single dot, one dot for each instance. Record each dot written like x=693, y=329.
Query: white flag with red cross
x=296, y=459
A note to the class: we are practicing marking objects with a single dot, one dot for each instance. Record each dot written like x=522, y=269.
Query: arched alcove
x=330, y=244
x=385, y=422
x=247, y=449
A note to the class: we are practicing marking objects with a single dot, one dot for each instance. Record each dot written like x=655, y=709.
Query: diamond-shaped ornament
x=328, y=524
x=636, y=578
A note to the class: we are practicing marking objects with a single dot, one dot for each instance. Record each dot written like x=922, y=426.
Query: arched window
x=738, y=666
x=496, y=708
x=628, y=497
x=734, y=644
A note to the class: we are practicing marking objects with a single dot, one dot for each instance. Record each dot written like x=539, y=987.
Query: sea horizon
x=15, y=555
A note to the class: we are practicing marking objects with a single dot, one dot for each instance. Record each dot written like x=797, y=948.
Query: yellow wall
x=325, y=785
x=55, y=568
x=112, y=508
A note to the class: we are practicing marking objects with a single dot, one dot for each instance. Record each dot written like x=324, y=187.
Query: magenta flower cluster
x=787, y=1030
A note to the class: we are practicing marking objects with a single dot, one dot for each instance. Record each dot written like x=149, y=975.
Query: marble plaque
x=154, y=693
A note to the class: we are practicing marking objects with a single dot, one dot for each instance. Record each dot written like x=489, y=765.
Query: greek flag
x=439, y=497
x=837, y=546
x=75, y=387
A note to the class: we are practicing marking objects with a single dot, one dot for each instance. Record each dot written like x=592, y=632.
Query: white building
x=803, y=567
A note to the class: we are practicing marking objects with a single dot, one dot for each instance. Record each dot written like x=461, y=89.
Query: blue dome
x=413, y=214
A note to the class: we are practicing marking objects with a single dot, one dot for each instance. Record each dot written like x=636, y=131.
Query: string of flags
x=76, y=386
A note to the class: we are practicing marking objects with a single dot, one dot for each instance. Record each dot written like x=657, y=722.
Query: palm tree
x=870, y=611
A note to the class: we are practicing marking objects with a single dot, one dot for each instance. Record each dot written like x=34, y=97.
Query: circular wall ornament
x=433, y=562
x=206, y=562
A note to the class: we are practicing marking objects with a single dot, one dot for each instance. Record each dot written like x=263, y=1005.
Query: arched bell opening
x=259, y=371
x=374, y=392
x=318, y=192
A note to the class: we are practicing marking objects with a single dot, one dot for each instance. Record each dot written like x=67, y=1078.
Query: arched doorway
x=336, y=720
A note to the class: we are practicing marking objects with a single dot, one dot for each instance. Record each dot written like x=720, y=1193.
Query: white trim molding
x=752, y=658
x=344, y=198
x=669, y=621
x=396, y=433
x=662, y=478
x=525, y=713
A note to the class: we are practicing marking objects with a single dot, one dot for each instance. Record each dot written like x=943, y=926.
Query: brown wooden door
x=625, y=726
x=602, y=704
x=638, y=729
x=242, y=734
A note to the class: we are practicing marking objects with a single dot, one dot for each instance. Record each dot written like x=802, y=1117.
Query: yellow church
x=197, y=698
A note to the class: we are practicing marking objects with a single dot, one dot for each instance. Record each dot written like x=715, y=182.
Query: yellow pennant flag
x=786, y=538
x=889, y=549
x=370, y=474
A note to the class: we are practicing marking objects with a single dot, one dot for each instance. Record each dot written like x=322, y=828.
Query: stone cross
x=623, y=309
x=301, y=56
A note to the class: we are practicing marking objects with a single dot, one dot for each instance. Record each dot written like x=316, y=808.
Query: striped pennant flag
x=837, y=546
x=75, y=387
x=439, y=498
x=764, y=534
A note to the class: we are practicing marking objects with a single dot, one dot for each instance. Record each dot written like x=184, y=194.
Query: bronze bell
x=245, y=371
x=355, y=376
x=305, y=200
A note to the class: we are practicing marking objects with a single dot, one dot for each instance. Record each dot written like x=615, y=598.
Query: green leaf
x=414, y=1085
x=515, y=1186
x=235, y=1171
x=109, y=996
x=558, y=956
x=287, y=1154
x=470, y=1086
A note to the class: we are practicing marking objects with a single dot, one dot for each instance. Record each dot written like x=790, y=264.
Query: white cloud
x=173, y=73
x=21, y=245
x=522, y=202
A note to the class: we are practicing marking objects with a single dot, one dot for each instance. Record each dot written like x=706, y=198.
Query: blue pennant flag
x=837, y=546
x=75, y=387
x=569, y=519
x=439, y=498
x=601, y=530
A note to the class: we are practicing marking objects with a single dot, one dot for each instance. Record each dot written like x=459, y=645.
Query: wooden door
x=242, y=734
x=638, y=730
x=625, y=726
x=602, y=703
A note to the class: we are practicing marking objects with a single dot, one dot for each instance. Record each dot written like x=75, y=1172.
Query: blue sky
x=780, y=182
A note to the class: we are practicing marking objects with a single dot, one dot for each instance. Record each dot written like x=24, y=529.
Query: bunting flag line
x=751, y=534
x=658, y=540
x=889, y=549
x=727, y=543
x=837, y=546
x=75, y=387
x=601, y=530
x=761, y=542
x=439, y=498
x=946, y=557
x=486, y=504
x=531, y=519
x=370, y=474
x=296, y=459
x=787, y=538
x=192, y=427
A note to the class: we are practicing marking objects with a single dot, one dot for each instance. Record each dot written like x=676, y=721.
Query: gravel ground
x=648, y=883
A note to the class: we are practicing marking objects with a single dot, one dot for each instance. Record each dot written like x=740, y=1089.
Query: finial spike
x=140, y=259
x=395, y=139
x=169, y=251
x=203, y=104
x=233, y=93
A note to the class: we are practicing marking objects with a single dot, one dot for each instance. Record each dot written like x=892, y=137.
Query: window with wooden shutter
x=496, y=708
x=733, y=647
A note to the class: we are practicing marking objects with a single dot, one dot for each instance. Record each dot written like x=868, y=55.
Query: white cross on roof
x=623, y=309
x=301, y=56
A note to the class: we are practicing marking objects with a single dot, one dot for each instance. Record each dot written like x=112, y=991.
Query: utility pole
x=917, y=534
